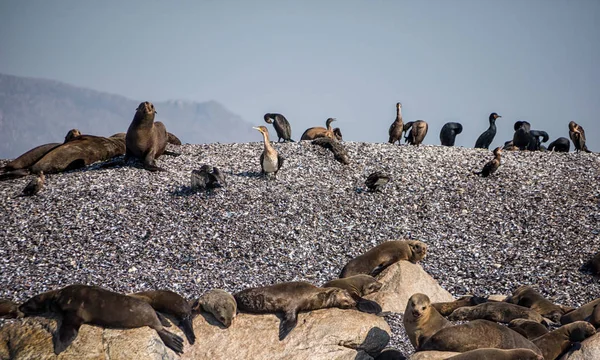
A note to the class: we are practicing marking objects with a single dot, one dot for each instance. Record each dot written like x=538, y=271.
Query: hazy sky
x=446, y=60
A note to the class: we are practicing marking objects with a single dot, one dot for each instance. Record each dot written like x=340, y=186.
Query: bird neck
x=328, y=125
x=267, y=143
x=399, y=114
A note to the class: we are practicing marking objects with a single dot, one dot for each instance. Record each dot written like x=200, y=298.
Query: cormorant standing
x=536, y=143
x=577, y=135
x=319, y=131
x=484, y=140
x=270, y=160
x=281, y=125
x=449, y=132
x=521, y=137
x=397, y=127
x=418, y=130
x=338, y=134
x=492, y=165
x=562, y=144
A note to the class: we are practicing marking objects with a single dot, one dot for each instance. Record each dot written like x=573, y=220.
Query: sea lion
x=421, y=320
x=35, y=185
x=495, y=311
x=82, y=304
x=562, y=144
x=577, y=135
x=417, y=133
x=270, y=160
x=170, y=303
x=358, y=286
x=498, y=354
x=485, y=139
x=449, y=132
x=582, y=313
x=9, y=309
x=281, y=125
x=491, y=166
x=592, y=265
x=528, y=328
x=557, y=342
x=383, y=255
x=376, y=181
x=207, y=178
x=219, y=303
x=289, y=299
x=172, y=139
x=339, y=152
x=528, y=297
x=477, y=334
x=146, y=139
x=397, y=127
x=446, y=308
x=318, y=131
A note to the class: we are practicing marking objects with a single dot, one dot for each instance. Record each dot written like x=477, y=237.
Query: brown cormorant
x=270, y=160
x=577, y=135
x=484, y=140
x=35, y=185
x=562, y=144
x=338, y=134
x=339, y=152
x=377, y=180
x=449, y=132
x=397, y=127
x=318, y=131
x=418, y=130
x=492, y=165
x=281, y=125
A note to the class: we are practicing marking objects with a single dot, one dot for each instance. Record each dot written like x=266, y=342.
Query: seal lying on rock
x=498, y=354
x=446, y=308
x=82, y=304
x=587, y=312
x=219, y=303
x=528, y=328
x=421, y=320
x=556, y=342
x=495, y=311
x=9, y=309
x=380, y=257
x=529, y=297
x=358, y=286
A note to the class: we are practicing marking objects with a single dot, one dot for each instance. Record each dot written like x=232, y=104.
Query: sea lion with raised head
x=485, y=139
x=219, y=303
x=377, y=180
x=281, y=125
x=270, y=160
x=397, y=127
x=557, y=342
x=528, y=328
x=498, y=354
x=146, y=139
x=577, y=135
x=339, y=152
x=491, y=166
x=417, y=132
x=170, y=303
x=583, y=313
x=562, y=144
x=528, y=297
x=421, y=320
x=82, y=304
x=495, y=311
x=289, y=299
x=449, y=132
x=319, y=131
x=9, y=309
x=446, y=308
x=383, y=255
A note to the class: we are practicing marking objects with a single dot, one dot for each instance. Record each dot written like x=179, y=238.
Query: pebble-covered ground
x=533, y=222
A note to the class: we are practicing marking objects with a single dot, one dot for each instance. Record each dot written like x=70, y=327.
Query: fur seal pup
x=207, y=178
x=270, y=160
x=383, y=255
x=417, y=133
x=495, y=311
x=498, y=354
x=219, y=303
x=583, y=313
x=528, y=297
x=170, y=303
x=446, y=308
x=82, y=304
x=592, y=265
x=449, y=132
x=281, y=125
x=146, y=139
x=477, y=334
x=35, y=185
x=557, y=342
x=577, y=135
x=485, y=139
x=421, y=320
x=376, y=181
x=359, y=286
x=318, y=131
x=289, y=299
x=562, y=144
x=397, y=127
x=339, y=152
x=9, y=309
x=491, y=166
x=528, y=328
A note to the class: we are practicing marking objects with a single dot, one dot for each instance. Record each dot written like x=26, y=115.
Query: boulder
x=588, y=350
x=432, y=355
x=400, y=281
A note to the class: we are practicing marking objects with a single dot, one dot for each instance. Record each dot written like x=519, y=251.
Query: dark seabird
x=35, y=185
x=562, y=144
x=492, y=165
x=418, y=130
x=338, y=134
x=538, y=137
x=270, y=160
x=281, y=125
x=521, y=137
x=319, y=131
x=397, y=127
x=208, y=177
x=577, y=135
x=377, y=180
x=485, y=140
x=449, y=132
x=338, y=150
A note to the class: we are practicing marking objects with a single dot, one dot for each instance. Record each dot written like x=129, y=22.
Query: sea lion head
x=219, y=303
x=417, y=305
x=371, y=286
x=72, y=134
x=38, y=304
x=145, y=111
x=580, y=330
x=459, y=314
x=340, y=298
x=418, y=250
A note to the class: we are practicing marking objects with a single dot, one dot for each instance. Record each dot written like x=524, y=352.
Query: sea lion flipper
x=67, y=332
x=288, y=323
x=172, y=341
x=368, y=306
x=186, y=326
x=163, y=320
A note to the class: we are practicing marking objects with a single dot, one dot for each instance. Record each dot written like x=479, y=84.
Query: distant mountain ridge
x=38, y=111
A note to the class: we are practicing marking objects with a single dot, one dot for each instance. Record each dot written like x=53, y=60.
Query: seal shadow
x=250, y=174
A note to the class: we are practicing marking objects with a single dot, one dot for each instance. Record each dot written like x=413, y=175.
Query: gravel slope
x=533, y=222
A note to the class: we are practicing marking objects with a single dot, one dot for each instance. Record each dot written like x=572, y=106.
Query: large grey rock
x=432, y=355
x=589, y=350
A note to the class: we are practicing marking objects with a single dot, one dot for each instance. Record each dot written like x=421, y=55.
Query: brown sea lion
x=446, y=308
x=417, y=133
x=219, y=303
x=381, y=256
x=556, y=342
x=9, y=309
x=172, y=139
x=495, y=311
x=421, y=320
x=35, y=185
x=528, y=328
x=477, y=334
x=146, y=139
x=397, y=127
x=270, y=160
x=358, y=286
x=289, y=299
x=498, y=354
x=170, y=303
x=529, y=297
x=583, y=313
x=491, y=166
x=577, y=135
x=82, y=304
x=318, y=131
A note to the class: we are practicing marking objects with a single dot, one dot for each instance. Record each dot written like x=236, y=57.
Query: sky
x=459, y=60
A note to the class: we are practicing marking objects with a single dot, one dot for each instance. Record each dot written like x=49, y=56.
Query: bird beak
x=499, y=116
x=255, y=128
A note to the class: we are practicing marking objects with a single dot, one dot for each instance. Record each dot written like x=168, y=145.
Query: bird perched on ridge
x=319, y=131
x=376, y=181
x=417, y=133
x=397, y=127
x=270, y=160
x=485, y=139
x=492, y=165
x=281, y=125
x=35, y=185
x=577, y=135
x=207, y=178
x=449, y=132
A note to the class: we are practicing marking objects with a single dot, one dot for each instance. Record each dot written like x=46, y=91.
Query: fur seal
x=172, y=139
x=583, y=313
x=281, y=125
x=477, y=334
x=562, y=144
x=289, y=299
x=485, y=139
x=376, y=181
x=383, y=255
x=270, y=160
x=9, y=309
x=359, y=286
x=557, y=342
x=170, y=303
x=498, y=354
x=82, y=304
x=35, y=185
x=417, y=133
x=339, y=152
x=219, y=303
x=449, y=132
x=146, y=139
x=318, y=131
x=526, y=296
x=207, y=178
x=528, y=328
x=421, y=320
x=495, y=311
x=593, y=265
x=577, y=135
x=446, y=308
x=397, y=127
x=491, y=166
